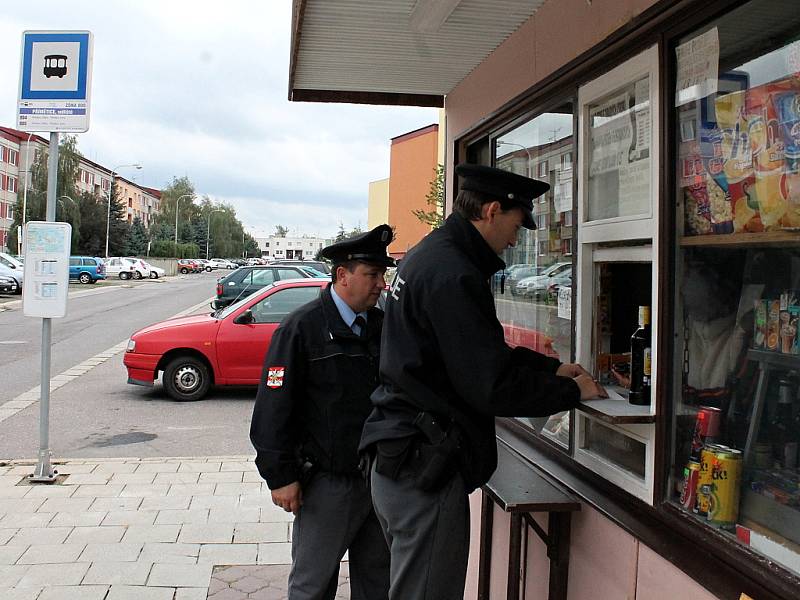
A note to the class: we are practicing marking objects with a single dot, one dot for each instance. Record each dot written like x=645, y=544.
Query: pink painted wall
x=558, y=32
x=605, y=563
x=658, y=579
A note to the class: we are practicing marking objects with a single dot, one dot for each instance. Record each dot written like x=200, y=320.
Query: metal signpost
x=54, y=93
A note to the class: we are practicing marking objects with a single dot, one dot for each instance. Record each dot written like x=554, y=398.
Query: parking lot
x=94, y=411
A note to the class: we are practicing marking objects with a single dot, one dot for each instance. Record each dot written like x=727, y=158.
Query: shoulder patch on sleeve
x=275, y=376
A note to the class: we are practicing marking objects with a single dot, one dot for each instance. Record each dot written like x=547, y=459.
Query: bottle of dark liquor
x=640, y=360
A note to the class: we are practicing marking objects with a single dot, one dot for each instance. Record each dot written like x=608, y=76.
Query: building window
x=12, y=184
x=566, y=161
x=13, y=157
x=525, y=308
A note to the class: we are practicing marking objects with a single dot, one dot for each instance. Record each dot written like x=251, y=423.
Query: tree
x=434, y=199
x=137, y=241
x=341, y=234
x=281, y=231
x=68, y=160
x=92, y=227
x=118, y=226
x=187, y=209
x=251, y=246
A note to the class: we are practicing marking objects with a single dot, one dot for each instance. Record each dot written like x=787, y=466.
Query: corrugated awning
x=406, y=52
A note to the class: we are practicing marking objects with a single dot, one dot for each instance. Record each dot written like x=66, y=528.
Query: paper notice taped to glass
x=698, y=67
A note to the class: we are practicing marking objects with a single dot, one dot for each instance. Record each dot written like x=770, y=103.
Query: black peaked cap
x=369, y=247
x=505, y=187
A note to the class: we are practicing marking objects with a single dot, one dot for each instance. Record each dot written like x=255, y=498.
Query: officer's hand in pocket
x=289, y=497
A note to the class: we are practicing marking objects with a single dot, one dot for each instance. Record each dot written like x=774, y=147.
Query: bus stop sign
x=55, y=81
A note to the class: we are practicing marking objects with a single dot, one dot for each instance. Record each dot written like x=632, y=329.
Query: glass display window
x=533, y=295
x=736, y=361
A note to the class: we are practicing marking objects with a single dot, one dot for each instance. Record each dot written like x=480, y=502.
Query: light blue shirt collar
x=347, y=313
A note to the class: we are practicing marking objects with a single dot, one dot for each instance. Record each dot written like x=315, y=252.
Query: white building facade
x=303, y=247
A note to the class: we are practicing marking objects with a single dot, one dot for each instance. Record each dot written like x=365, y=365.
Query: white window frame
x=640, y=226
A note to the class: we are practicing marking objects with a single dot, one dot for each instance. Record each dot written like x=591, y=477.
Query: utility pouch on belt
x=391, y=455
x=436, y=455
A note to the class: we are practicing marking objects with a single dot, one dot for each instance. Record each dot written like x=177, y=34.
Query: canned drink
x=726, y=472
x=705, y=482
x=689, y=492
x=706, y=429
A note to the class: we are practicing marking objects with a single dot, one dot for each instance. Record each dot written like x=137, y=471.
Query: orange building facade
x=412, y=167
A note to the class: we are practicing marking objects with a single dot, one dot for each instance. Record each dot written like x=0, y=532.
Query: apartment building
x=137, y=200
x=290, y=247
x=20, y=150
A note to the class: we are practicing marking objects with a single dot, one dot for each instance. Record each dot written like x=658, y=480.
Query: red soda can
x=706, y=429
x=691, y=474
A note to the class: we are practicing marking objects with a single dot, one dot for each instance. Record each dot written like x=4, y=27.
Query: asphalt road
x=99, y=414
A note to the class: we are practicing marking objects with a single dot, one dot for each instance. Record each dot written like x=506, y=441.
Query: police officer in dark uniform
x=446, y=372
x=312, y=402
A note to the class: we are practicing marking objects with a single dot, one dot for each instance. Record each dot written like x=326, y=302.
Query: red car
x=224, y=348
x=187, y=265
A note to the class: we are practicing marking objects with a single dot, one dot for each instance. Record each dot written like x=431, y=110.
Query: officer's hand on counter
x=589, y=387
x=571, y=370
x=288, y=497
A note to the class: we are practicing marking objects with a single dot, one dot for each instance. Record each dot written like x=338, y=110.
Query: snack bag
x=738, y=161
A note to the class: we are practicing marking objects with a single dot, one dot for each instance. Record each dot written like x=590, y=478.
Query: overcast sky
x=198, y=88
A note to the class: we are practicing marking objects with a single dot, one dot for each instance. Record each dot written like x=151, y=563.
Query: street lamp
x=530, y=159
x=177, y=203
x=110, y=190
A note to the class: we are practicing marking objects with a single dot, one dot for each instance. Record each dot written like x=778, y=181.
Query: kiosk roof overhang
x=401, y=52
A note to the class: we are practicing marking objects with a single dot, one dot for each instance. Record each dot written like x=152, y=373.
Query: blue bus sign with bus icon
x=55, y=81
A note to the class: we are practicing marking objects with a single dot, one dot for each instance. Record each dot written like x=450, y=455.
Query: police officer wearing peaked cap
x=446, y=372
x=313, y=399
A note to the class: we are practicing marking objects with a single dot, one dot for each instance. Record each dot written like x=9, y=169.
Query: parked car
x=515, y=275
x=125, y=268
x=564, y=279
x=317, y=264
x=186, y=265
x=205, y=265
x=247, y=280
x=536, y=285
x=8, y=285
x=221, y=263
x=86, y=269
x=539, y=289
x=12, y=268
x=224, y=348
x=155, y=272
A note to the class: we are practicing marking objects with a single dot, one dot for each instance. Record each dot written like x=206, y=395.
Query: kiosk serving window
x=534, y=295
x=736, y=361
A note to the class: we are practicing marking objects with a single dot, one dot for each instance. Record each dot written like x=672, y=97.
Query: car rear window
x=290, y=273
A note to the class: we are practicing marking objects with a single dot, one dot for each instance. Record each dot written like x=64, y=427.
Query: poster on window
x=620, y=132
x=698, y=67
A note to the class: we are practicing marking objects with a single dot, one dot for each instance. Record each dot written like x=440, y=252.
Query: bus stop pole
x=44, y=472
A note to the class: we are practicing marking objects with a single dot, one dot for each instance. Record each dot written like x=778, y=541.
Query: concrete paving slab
x=124, y=573
x=140, y=592
x=51, y=553
x=177, y=575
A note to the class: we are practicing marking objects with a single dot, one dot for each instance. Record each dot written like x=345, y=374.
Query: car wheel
x=85, y=278
x=124, y=276
x=208, y=269
x=153, y=275
x=184, y=270
x=137, y=275
x=186, y=379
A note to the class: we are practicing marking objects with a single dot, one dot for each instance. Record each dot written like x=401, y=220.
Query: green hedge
x=166, y=249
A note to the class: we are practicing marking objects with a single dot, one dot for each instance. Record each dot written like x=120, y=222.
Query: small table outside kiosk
x=520, y=489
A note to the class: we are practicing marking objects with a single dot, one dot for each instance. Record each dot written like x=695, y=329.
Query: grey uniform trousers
x=337, y=516
x=428, y=535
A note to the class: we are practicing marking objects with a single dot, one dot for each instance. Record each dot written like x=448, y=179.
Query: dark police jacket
x=314, y=394
x=444, y=352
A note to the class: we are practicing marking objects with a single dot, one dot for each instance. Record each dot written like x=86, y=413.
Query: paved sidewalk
x=142, y=529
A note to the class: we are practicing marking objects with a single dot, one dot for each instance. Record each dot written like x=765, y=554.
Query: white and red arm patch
x=275, y=376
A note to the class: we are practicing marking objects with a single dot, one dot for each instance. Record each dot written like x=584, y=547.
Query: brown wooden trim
x=712, y=559
x=485, y=550
x=353, y=97
x=298, y=13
